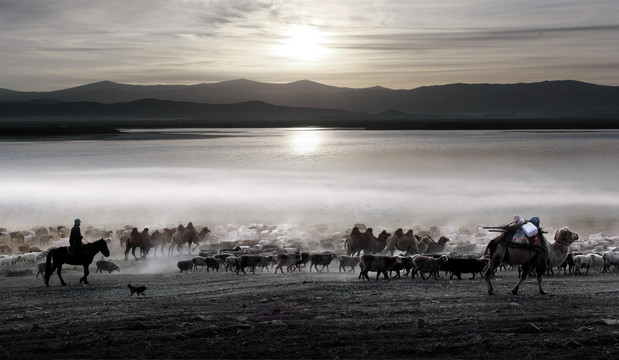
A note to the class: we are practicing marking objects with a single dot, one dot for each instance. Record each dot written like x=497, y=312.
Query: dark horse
x=61, y=256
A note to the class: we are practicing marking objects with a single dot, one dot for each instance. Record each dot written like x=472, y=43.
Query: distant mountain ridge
x=548, y=98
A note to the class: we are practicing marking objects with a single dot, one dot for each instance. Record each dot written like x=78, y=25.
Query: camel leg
x=85, y=277
x=495, y=261
x=133, y=253
x=540, y=275
x=526, y=268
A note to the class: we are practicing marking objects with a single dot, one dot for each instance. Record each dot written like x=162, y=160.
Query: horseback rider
x=75, y=239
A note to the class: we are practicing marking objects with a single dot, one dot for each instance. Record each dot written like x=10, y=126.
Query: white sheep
x=31, y=258
x=581, y=262
x=611, y=258
x=597, y=262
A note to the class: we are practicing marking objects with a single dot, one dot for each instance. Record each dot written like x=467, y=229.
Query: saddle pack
x=527, y=235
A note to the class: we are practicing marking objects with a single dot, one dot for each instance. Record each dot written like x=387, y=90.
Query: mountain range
x=245, y=103
x=548, y=98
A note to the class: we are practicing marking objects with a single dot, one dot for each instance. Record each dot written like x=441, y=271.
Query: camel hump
x=180, y=227
x=134, y=231
x=355, y=231
x=190, y=225
x=409, y=232
x=369, y=231
x=399, y=232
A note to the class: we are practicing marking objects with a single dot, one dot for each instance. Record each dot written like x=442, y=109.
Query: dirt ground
x=302, y=315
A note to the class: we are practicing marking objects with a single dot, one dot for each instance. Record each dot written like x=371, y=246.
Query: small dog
x=136, y=289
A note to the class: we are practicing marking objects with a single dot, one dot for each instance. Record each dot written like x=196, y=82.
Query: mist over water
x=312, y=176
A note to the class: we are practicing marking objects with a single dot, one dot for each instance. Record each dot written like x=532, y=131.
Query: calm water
x=340, y=177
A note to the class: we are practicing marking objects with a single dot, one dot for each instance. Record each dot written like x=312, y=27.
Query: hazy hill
x=543, y=98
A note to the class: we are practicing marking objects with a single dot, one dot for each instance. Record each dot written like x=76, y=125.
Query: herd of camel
x=408, y=242
x=499, y=251
x=177, y=238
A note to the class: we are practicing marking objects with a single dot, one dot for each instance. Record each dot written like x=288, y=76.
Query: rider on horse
x=75, y=239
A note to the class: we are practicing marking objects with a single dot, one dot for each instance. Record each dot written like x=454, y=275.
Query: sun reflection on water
x=305, y=141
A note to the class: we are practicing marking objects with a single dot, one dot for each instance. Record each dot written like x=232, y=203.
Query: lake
x=314, y=176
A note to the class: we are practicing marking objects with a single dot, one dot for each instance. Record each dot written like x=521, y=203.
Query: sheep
x=251, y=261
x=199, y=261
x=232, y=261
x=405, y=263
x=567, y=264
x=460, y=265
x=581, y=262
x=107, y=266
x=212, y=263
x=185, y=265
x=597, y=262
x=303, y=260
x=41, y=269
x=424, y=264
x=611, y=258
x=323, y=259
x=287, y=260
x=30, y=258
x=381, y=264
x=347, y=260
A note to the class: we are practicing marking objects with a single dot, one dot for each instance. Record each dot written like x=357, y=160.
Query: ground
x=326, y=315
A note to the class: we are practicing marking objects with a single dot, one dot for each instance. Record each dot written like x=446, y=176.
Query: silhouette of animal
x=528, y=257
x=59, y=256
x=136, y=289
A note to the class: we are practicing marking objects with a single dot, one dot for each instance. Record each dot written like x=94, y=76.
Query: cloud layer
x=398, y=44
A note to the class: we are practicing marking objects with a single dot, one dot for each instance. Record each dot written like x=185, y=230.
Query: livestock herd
x=419, y=254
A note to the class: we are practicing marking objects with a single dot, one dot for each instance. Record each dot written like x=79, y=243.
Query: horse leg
x=48, y=273
x=85, y=277
x=59, y=272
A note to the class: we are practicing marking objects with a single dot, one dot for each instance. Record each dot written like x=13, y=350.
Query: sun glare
x=303, y=43
x=305, y=142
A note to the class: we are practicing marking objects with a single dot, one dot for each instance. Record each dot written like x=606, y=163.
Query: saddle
x=520, y=239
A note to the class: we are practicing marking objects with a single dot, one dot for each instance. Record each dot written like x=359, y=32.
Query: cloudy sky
x=49, y=45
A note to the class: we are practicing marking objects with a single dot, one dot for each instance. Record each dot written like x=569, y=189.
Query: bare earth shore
x=326, y=315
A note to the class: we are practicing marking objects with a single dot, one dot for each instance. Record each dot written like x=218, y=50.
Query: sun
x=303, y=43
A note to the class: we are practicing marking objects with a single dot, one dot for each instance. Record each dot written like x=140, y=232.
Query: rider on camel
x=75, y=239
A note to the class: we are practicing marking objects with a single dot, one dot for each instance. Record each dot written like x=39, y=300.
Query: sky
x=399, y=44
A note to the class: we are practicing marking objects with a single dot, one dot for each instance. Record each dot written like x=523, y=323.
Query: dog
x=136, y=289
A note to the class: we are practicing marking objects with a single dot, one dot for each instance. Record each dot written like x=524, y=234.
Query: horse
x=549, y=255
x=59, y=256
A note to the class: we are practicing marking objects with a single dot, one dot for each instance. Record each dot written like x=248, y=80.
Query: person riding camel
x=75, y=239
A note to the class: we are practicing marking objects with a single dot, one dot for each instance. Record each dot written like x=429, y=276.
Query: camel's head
x=565, y=235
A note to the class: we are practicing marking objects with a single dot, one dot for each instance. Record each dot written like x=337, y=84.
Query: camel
x=403, y=242
x=184, y=235
x=433, y=247
x=551, y=255
x=138, y=239
x=160, y=238
x=366, y=242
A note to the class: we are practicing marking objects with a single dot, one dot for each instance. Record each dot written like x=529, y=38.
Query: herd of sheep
x=266, y=247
